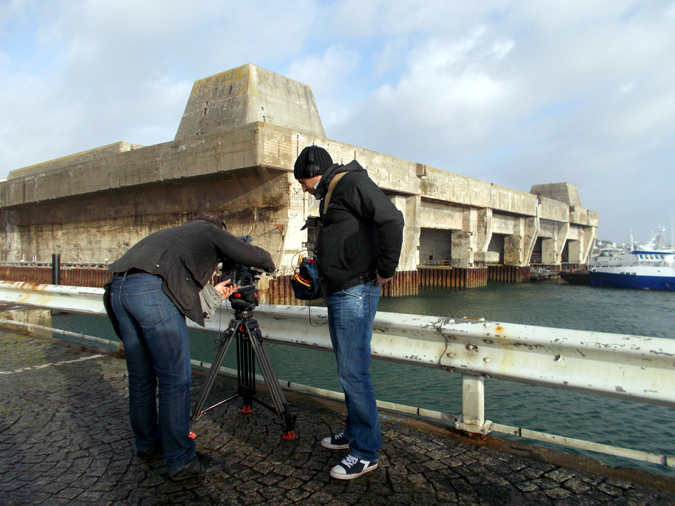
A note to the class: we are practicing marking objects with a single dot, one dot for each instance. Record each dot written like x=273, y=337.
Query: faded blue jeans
x=157, y=352
x=350, y=321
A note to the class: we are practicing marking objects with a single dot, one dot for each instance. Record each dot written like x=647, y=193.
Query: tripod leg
x=245, y=370
x=271, y=380
x=225, y=341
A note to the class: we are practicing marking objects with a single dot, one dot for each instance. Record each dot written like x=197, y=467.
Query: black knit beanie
x=312, y=161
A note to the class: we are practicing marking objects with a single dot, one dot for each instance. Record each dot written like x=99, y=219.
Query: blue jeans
x=350, y=321
x=157, y=352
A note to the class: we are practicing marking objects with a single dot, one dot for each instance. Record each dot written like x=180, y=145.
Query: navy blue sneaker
x=199, y=466
x=338, y=442
x=351, y=468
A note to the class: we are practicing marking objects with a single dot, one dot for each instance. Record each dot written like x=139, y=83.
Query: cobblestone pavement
x=65, y=439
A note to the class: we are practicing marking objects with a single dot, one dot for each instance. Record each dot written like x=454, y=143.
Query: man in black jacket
x=358, y=250
x=156, y=285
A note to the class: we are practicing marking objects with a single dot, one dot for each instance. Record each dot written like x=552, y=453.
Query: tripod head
x=245, y=299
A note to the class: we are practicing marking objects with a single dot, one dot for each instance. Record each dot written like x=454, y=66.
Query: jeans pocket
x=146, y=307
x=356, y=292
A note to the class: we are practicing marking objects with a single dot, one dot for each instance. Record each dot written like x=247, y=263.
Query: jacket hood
x=331, y=172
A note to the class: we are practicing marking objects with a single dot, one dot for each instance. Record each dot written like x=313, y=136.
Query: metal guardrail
x=622, y=366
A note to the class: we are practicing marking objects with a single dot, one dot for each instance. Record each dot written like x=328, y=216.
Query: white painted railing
x=627, y=367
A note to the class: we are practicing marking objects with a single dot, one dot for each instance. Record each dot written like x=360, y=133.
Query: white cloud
x=328, y=74
x=123, y=70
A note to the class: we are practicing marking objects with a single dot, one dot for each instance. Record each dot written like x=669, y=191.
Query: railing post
x=56, y=268
x=473, y=406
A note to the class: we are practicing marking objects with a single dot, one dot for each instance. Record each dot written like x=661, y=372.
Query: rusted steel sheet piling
x=508, y=274
x=280, y=291
x=94, y=277
x=452, y=277
x=403, y=284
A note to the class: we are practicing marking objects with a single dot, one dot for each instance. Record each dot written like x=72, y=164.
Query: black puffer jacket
x=362, y=230
x=185, y=257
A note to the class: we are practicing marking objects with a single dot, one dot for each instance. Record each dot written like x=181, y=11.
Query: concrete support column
x=483, y=235
x=411, y=209
x=514, y=244
x=588, y=239
x=563, y=231
x=548, y=251
x=574, y=253
x=552, y=248
x=530, y=239
x=464, y=242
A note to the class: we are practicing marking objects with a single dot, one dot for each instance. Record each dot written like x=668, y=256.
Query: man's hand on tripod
x=225, y=289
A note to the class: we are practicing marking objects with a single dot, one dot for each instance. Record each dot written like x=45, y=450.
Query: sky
x=516, y=93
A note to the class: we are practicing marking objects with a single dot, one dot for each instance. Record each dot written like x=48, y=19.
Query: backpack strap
x=331, y=187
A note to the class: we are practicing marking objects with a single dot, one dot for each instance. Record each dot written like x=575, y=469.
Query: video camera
x=245, y=298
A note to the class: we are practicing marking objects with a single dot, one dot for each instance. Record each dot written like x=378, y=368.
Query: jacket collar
x=331, y=172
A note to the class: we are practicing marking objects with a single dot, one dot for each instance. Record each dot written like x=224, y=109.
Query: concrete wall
x=249, y=94
x=233, y=154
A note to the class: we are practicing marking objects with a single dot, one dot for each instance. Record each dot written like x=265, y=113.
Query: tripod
x=250, y=346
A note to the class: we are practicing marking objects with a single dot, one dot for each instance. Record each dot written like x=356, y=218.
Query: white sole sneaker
x=331, y=444
x=345, y=472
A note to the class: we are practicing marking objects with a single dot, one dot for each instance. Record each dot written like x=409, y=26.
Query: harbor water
x=548, y=304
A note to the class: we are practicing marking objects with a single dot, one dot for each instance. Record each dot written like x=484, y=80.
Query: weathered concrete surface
x=233, y=154
x=249, y=94
x=562, y=192
x=75, y=159
x=65, y=439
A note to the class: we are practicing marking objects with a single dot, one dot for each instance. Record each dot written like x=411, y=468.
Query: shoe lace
x=341, y=435
x=349, y=461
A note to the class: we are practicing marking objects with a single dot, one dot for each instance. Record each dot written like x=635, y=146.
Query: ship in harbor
x=649, y=267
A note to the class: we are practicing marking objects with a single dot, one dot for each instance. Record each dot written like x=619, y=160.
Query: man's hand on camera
x=225, y=289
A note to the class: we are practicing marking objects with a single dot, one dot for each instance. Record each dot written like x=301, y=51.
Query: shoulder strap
x=331, y=187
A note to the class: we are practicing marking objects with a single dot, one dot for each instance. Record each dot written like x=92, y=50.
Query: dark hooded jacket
x=361, y=233
x=186, y=257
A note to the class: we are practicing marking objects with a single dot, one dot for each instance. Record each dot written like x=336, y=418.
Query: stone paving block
x=560, y=475
x=558, y=493
x=545, y=483
x=253, y=498
x=526, y=486
x=618, y=483
x=610, y=490
x=597, y=495
x=576, y=485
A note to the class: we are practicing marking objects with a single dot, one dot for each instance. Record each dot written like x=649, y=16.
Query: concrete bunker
x=233, y=154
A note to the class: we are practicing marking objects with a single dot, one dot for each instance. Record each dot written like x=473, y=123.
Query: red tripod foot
x=288, y=435
x=192, y=435
x=246, y=410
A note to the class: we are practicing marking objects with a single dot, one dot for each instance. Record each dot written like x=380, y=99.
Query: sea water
x=548, y=304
